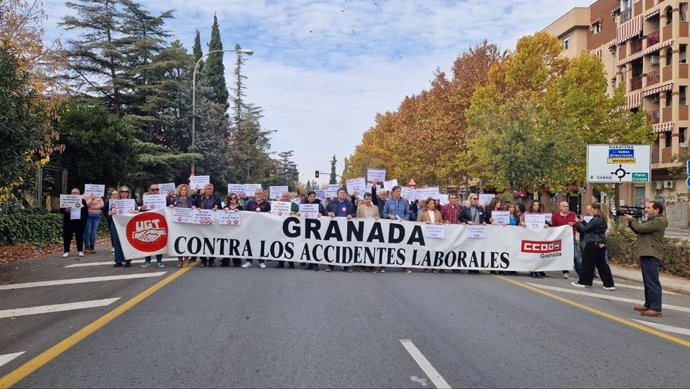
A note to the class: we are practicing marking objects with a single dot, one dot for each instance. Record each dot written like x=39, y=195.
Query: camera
x=636, y=212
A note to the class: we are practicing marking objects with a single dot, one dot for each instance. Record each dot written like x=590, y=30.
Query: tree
x=288, y=169
x=334, y=177
x=239, y=87
x=196, y=51
x=213, y=75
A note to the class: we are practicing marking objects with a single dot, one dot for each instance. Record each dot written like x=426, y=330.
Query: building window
x=566, y=43
x=683, y=136
x=669, y=15
x=596, y=28
x=681, y=95
x=683, y=54
x=669, y=56
x=667, y=139
x=683, y=12
x=669, y=98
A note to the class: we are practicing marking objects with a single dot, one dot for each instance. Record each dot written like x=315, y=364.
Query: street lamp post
x=196, y=66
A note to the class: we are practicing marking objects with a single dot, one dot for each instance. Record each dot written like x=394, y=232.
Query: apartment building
x=643, y=45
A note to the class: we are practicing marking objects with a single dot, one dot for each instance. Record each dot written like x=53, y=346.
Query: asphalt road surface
x=232, y=327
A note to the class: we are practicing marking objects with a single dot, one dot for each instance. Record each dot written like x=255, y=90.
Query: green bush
x=34, y=226
x=622, y=244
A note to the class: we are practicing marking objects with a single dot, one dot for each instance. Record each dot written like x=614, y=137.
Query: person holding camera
x=650, y=249
x=593, y=254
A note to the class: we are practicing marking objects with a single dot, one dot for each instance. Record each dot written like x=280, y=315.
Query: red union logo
x=540, y=247
x=147, y=232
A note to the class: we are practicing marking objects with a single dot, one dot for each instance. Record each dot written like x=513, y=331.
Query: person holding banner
x=378, y=199
x=496, y=204
x=431, y=215
x=311, y=199
x=182, y=200
x=232, y=204
x=535, y=207
x=257, y=204
x=341, y=207
x=95, y=205
x=208, y=200
x=294, y=209
x=566, y=217
x=73, y=223
x=397, y=208
x=451, y=211
x=513, y=214
x=595, y=247
x=153, y=190
x=472, y=214
x=120, y=261
x=368, y=211
x=114, y=195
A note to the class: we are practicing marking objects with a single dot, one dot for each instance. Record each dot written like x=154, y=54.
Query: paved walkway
x=672, y=283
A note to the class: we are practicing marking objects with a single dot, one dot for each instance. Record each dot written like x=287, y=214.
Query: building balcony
x=682, y=112
x=635, y=83
x=684, y=29
x=652, y=38
x=667, y=32
x=648, y=4
x=683, y=70
x=667, y=114
x=635, y=46
x=653, y=117
x=626, y=14
x=655, y=154
x=653, y=77
x=666, y=155
x=667, y=73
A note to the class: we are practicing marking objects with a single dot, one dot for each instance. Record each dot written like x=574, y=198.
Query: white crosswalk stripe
x=665, y=328
x=80, y=280
x=56, y=308
x=8, y=357
x=605, y=296
x=111, y=263
x=619, y=285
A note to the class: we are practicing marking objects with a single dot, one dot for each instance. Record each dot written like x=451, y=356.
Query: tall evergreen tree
x=334, y=177
x=213, y=75
x=197, y=52
x=239, y=87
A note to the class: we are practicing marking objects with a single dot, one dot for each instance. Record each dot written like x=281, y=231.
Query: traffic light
x=316, y=174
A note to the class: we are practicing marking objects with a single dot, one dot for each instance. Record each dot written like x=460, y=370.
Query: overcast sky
x=322, y=70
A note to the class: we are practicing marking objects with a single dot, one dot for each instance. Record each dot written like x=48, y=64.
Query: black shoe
x=456, y=271
x=316, y=267
x=539, y=275
x=280, y=265
x=302, y=264
x=291, y=265
x=192, y=259
x=128, y=264
x=473, y=272
x=493, y=272
x=533, y=274
x=117, y=264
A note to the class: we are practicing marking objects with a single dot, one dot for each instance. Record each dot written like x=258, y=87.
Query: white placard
x=237, y=189
x=331, y=191
x=376, y=175
x=535, y=221
x=500, y=217
x=613, y=164
x=94, y=190
x=425, y=193
x=437, y=231
x=356, y=185
x=250, y=189
x=309, y=210
x=123, y=206
x=281, y=208
x=155, y=201
x=388, y=185
x=485, y=198
x=75, y=213
x=548, y=217
x=588, y=218
x=168, y=187
x=275, y=192
x=182, y=215
x=409, y=194
x=198, y=182
x=476, y=231
x=229, y=217
x=444, y=200
x=68, y=200
x=320, y=194
x=203, y=216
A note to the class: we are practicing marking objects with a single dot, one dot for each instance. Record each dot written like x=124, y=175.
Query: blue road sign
x=688, y=182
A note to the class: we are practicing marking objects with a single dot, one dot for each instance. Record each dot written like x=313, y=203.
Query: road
x=228, y=327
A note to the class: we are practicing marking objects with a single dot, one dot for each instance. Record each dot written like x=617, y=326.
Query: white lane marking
x=56, y=308
x=606, y=297
x=79, y=280
x=8, y=357
x=619, y=285
x=101, y=263
x=666, y=328
x=424, y=363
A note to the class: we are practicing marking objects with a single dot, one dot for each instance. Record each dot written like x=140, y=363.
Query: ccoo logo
x=540, y=247
x=147, y=232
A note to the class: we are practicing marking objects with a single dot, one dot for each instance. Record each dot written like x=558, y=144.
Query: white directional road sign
x=613, y=164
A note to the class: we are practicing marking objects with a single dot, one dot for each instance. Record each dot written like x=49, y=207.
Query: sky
x=322, y=70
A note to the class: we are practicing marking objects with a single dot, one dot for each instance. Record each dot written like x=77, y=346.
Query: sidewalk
x=668, y=282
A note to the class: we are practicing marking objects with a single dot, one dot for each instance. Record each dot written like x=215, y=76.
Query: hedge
x=622, y=244
x=34, y=226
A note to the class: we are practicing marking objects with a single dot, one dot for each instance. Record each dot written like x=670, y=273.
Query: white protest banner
x=485, y=198
x=376, y=175
x=535, y=221
x=500, y=217
x=476, y=231
x=436, y=231
x=237, y=189
x=123, y=206
x=332, y=191
x=320, y=194
x=229, y=217
x=309, y=210
x=203, y=216
x=356, y=186
x=182, y=215
x=444, y=200
x=68, y=200
x=156, y=201
x=429, y=192
x=167, y=188
x=94, y=190
x=198, y=182
x=337, y=241
x=250, y=189
x=409, y=194
x=276, y=191
x=548, y=217
x=281, y=208
x=388, y=185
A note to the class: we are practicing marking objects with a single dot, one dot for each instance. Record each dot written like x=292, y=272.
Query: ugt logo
x=147, y=232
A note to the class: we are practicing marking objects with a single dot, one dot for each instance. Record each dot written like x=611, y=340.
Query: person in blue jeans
x=120, y=260
x=94, y=205
x=154, y=190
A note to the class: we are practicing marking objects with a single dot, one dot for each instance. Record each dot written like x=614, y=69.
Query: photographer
x=650, y=249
